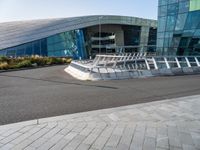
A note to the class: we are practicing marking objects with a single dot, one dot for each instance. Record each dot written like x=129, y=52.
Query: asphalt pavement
x=46, y=92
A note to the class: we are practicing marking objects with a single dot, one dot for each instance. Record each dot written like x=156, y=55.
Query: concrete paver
x=162, y=125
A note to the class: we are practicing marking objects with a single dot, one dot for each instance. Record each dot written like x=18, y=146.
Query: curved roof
x=20, y=32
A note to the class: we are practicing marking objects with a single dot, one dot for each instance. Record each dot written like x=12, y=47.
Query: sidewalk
x=169, y=124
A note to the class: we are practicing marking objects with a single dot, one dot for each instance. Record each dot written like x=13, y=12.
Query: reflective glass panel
x=194, y=5
x=163, y=2
x=162, y=10
x=29, y=49
x=161, y=24
x=172, y=9
x=183, y=6
x=36, y=48
x=197, y=33
x=3, y=52
x=192, y=20
x=20, y=52
x=172, y=1
x=181, y=21
x=171, y=20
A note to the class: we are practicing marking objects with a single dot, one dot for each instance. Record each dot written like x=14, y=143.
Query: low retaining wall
x=117, y=74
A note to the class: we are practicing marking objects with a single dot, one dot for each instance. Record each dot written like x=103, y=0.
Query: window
x=50, y=54
x=159, y=50
x=11, y=52
x=59, y=46
x=194, y=5
x=166, y=42
x=36, y=47
x=197, y=33
x=2, y=52
x=171, y=20
x=132, y=35
x=161, y=24
x=183, y=6
x=57, y=53
x=175, y=41
x=20, y=52
x=193, y=42
x=59, y=38
x=160, y=34
x=50, y=40
x=168, y=34
x=188, y=33
x=192, y=20
x=181, y=21
x=162, y=2
x=29, y=49
x=65, y=44
x=44, y=47
x=172, y=9
x=172, y=1
x=152, y=36
x=183, y=42
x=160, y=42
x=162, y=10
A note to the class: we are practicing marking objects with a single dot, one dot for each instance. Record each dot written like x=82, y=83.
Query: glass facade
x=178, y=27
x=132, y=35
x=152, y=40
x=38, y=47
x=83, y=43
x=194, y=5
x=67, y=44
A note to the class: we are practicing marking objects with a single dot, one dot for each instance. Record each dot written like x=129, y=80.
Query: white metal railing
x=103, y=46
x=156, y=61
x=136, y=62
x=111, y=37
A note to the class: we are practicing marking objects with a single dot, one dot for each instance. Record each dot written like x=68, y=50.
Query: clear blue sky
x=11, y=10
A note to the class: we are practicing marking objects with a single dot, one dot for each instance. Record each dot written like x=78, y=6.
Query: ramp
x=133, y=65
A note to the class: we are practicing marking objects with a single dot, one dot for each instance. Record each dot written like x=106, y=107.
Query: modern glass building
x=178, y=27
x=77, y=37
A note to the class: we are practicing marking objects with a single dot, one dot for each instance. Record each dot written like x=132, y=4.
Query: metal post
x=178, y=64
x=124, y=60
x=166, y=62
x=100, y=33
x=198, y=64
x=148, y=67
x=188, y=62
x=136, y=67
x=97, y=61
x=155, y=64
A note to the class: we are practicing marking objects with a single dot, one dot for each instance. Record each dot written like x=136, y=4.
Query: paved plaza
x=162, y=125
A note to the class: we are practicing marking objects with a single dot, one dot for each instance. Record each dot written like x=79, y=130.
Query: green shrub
x=3, y=59
x=49, y=61
x=24, y=63
x=14, y=61
x=57, y=60
x=66, y=60
x=53, y=60
x=20, y=62
x=40, y=61
x=4, y=66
